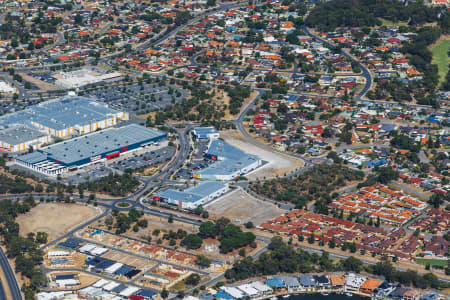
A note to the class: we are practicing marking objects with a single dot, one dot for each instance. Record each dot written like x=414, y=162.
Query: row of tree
x=14, y=185
x=283, y=258
x=358, y=13
x=25, y=250
x=113, y=184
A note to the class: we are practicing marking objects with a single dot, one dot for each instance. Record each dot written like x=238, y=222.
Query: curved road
x=240, y=127
x=184, y=150
x=10, y=278
x=365, y=72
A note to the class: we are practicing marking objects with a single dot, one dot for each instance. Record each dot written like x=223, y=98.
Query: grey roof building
x=65, y=116
x=290, y=282
x=205, y=133
x=307, y=280
x=194, y=196
x=79, y=151
x=20, y=137
x=231, y=162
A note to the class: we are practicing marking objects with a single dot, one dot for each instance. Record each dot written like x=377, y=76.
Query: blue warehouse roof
x=206, y=188
x=231, y=159
x=228, y=166
x=98, y=143
x=33, y=158
x=222, y=149
x=192, y=194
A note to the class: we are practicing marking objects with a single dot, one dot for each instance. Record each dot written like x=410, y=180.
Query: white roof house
x=100, y=283
x=129, y=291
x=51, y=254
x=99, y=251
x=91, y=291
x=261, y=286
x=113, y=268
x=354, y=281
x=233, y=292
x=108, y=296
x=87, y=248
x=248, y=289
x=67, y=282
x=110, y=286
x=50, y=295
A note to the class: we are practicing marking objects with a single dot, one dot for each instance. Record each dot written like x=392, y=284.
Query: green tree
x=192, y=241
x=192, y=279
x=332, y=243
x=164, y=293
x=207, y=230
x=352, y=264
x=311, y=238
x=41, y=237
x=203, y=261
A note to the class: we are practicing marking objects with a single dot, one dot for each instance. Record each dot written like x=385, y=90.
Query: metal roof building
x=193, y=196
x=206, y=133
x=20, y=137
x=67, y=115
x=221, y=150
x=99, y=145
x=231, y=162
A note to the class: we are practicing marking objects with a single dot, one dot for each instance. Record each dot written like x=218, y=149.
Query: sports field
x=441, y=58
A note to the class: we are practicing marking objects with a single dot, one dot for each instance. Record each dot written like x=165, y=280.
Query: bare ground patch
x=277, y=165
x=54, y=218
x=42, y=85
x=154, y=223
x=241, y=206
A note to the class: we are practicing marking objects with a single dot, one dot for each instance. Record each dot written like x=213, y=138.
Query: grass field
x=390, y=23
x=440, y=57
x=432, y=262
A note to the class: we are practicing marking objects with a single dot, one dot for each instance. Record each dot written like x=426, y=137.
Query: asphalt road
x=365, y=72
x=60, y=36
x=2, y=291
x=150, y=183
x=10, y=278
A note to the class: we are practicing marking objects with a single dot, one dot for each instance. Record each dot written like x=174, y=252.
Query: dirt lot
x=42, y=85
x=154, y=223
x=76, y=260
x=130, y=260
x=54, y=218
x=238, y=205
x=278, y=164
